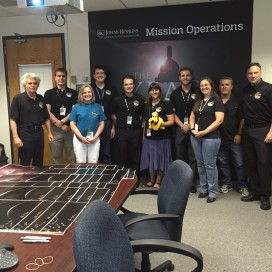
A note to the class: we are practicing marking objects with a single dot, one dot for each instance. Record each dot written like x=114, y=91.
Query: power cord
x=53, y=18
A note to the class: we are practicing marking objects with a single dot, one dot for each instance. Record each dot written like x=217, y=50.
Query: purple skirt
x=156, y=155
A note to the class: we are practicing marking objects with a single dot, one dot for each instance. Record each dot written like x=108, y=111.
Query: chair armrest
x=140, y=191
x=157, y=245
x=148, y=191
x=165, y=217
x=124, y=210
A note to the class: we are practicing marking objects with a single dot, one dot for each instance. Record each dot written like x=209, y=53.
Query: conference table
x=113, y=182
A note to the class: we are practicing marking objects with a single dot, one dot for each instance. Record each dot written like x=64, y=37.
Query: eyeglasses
x=39, y=262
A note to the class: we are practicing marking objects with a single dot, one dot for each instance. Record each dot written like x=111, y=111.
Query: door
x=37, y=49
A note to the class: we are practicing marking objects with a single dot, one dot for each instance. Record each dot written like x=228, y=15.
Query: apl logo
x=100, y=34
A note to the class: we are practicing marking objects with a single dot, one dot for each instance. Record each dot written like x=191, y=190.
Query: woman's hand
x=199, y=134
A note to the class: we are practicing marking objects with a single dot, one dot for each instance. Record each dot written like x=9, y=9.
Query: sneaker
x=244, y=191
x=225, y=189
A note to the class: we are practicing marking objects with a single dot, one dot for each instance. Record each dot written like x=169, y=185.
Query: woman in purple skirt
x=156, y=151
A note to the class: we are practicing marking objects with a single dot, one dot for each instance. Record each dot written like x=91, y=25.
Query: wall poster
x=214, y=39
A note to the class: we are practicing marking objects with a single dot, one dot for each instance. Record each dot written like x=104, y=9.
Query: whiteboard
x=44, y=71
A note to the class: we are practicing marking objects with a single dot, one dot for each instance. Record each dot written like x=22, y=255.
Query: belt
x=256, y=125
x=34, y=127
x=37, y=127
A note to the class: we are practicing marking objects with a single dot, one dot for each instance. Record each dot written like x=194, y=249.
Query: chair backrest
x=173, y=195
x=3, y=157
x=100, y=241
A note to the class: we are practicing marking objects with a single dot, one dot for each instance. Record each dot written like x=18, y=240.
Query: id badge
x=186, y=120
x=62, y=111
x=196, y=127
x=89, y=135
x=129, y=120
x=148, y=132
x=102, y=108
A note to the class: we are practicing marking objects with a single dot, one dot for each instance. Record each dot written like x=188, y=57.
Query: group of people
x=214, y=132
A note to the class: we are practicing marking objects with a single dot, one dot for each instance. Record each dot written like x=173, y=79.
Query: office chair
x=3, y=157
x=167, y=225
x=100, y=241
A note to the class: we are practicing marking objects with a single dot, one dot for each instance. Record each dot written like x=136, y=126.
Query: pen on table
x=36, y=238
x=35, y=241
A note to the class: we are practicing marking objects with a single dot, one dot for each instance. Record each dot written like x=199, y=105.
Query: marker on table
x=36, y=238
x=35, y=241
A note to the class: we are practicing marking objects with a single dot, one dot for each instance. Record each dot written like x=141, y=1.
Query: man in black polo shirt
x=28, y=112
x=104, y=95
x=230, y=152
x=127, y=111
x=59, y=102
x=257, y=135
x=182, y=100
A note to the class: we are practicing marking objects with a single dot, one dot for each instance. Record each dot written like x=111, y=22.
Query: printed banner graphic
x=213, y=39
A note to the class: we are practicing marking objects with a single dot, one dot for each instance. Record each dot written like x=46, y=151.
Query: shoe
x=203, y=195
x=157, y=185
x=250, y=198
x=265, y=204
x=193, y=189
x=150, y=184
x=225, y=189
x=211, y=199
x=244, y=191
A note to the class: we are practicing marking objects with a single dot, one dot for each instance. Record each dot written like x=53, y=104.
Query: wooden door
x=40, y=49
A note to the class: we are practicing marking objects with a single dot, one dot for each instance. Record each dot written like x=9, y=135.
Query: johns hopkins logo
x=100, y=34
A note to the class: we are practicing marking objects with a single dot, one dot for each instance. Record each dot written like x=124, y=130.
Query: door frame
x=6, y=38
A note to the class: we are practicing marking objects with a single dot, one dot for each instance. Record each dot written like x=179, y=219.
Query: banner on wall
x=213, y=39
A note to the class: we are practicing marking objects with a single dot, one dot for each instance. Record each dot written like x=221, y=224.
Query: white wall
x=77, y=53
x=77, y=48
x=262, y=37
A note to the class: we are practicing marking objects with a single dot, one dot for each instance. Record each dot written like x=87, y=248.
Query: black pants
x=184, y=150
x=33, y=146
x=105, y=144
x=129, y=144
x=257, y=160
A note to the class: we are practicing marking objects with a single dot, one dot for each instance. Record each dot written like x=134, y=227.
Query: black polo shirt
x=57, y=99
x=207, y=116
x=183, y=102
x=257, y=104
x=104, y=97
x=124, y=106
x=163, y=109
x=232, y=119
x=27, y=112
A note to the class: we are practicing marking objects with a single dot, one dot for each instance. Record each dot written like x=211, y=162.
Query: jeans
x=228, y=155
x=206, y=151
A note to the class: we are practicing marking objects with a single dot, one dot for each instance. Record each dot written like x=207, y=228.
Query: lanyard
x=183, y=97
x=100, y=96
x=186, y=101
x=127, y=104
x=201, y=108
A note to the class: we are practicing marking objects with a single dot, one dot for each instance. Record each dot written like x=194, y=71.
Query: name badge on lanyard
x=186, y=120
x=196, y=127
x=129, y=120
x=62, y=111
